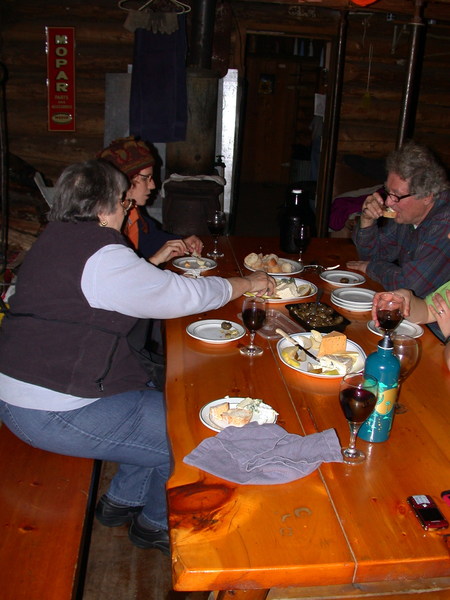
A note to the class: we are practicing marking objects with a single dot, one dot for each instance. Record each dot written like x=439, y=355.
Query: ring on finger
x=440, y=312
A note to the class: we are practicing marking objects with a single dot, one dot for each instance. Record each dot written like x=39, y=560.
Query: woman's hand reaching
x=171, y=249
x=194, y=245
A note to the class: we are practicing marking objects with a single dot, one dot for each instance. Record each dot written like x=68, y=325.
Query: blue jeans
x=128, y=428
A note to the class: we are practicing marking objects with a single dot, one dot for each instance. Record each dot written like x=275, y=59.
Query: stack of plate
x=354, y=299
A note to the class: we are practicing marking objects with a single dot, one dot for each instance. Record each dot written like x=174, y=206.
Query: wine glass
x=406, y=349
x=216, y=225
x=390, y=311
x=301, y=238
x=358, y=396
x=253, y=315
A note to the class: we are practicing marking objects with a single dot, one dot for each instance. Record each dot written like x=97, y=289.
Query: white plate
x=296, y=267
x=187, y=263
x=334, y=278
x=210, y=330
x=352, y=308
x=298, y=282
x=352, y=305
x=233, y=402
x=351, y=347
x=353, y=296
x=405, y=328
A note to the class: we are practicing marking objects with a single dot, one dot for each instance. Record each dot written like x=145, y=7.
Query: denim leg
x=128, y=428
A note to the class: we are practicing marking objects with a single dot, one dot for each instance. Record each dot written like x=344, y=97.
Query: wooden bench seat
x=45, y=515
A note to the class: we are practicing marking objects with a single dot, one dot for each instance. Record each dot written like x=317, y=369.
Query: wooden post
x=412, y=81
x=331, y=132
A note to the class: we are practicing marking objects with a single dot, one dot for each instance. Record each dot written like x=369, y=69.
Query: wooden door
x=270, y=117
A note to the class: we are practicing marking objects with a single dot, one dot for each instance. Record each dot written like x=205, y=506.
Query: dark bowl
x=325, y=314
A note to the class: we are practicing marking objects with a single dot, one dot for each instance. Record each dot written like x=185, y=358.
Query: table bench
x=46, y=503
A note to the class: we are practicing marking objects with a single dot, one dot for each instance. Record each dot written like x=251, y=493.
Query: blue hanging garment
x=158, y=97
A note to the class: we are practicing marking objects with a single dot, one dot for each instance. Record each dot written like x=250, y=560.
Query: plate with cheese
x=336, y=355
x=237, y=412
x=188, y=263
x=289, y=288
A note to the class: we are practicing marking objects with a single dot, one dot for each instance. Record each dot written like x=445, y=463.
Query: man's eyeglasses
x=127, y=203
x=147, y=178
x=394, y=197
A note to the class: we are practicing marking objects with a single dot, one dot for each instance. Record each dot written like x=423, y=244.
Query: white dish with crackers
x=236, y=412
x=194, y=263
x=272, y=264
x=335, y=354
x=289, y=289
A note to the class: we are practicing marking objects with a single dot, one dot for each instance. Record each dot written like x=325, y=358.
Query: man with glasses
x=409, y=250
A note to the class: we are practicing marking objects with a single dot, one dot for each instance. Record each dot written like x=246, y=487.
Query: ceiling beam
x=433, y=9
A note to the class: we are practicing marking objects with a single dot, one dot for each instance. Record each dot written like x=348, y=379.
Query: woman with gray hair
x=408, y=248
x=69, y=381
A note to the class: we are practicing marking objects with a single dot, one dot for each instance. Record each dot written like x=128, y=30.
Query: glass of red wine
x=216, y=225
x=253, y=315
x=390, y=311
x=406, y=349
x=301, y=236
x=358, y=396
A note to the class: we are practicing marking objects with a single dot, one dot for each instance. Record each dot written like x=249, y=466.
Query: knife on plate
x=294, y=343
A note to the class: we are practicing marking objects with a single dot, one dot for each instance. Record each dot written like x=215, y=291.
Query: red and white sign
x=61, y=78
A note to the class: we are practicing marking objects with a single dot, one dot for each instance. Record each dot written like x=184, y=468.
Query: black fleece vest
x=52, y=337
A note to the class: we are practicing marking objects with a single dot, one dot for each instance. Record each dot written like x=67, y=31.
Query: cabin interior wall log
x=368, y=122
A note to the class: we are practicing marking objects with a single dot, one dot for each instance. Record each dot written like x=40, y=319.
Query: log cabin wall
x=102, y=45
x=370, y=109
x=368, y=124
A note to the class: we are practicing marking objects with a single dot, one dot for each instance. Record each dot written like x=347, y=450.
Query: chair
x=45, y=190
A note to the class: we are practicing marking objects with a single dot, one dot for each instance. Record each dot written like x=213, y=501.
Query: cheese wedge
x=342, y=362
x=332, y=343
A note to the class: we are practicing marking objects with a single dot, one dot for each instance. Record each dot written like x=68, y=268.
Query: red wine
x=254, y=318
x=357, y=404
x=389, y=319
x=215, y=228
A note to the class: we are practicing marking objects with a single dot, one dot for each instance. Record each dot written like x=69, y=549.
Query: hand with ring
x=372, y=209
x=441, y=311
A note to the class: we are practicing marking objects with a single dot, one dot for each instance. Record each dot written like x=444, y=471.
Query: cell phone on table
x=427, y=512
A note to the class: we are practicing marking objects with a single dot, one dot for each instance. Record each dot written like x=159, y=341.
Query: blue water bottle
x=385, y=366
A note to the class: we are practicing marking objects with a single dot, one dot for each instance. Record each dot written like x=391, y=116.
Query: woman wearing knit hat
x=134, y=158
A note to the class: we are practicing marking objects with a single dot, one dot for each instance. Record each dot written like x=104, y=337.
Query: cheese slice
x=332, y=343
x=342, y=362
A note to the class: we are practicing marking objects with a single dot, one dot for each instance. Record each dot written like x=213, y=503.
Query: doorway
x=283, y=74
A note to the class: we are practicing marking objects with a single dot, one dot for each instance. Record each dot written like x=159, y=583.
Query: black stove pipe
x=203, y=13
x=196, y=155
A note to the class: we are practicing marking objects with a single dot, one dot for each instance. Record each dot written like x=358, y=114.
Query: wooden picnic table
x=343, y=529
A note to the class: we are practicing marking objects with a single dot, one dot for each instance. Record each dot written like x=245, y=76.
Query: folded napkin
x=264, y=454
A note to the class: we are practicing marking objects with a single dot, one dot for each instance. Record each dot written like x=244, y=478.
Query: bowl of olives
x=318, y=316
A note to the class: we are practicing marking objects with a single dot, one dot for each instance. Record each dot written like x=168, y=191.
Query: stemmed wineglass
x=216, y=225
x=253, y=315
x=301, y=238
x=406, y=349
x=390, y=311
x=358, y=396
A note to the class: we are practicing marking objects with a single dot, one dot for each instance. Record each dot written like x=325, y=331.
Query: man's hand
x=372, y=209
x=358, y=265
